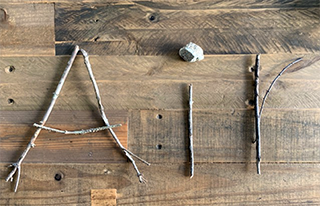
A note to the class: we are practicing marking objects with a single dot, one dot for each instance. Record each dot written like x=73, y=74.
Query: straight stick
x=191, y=133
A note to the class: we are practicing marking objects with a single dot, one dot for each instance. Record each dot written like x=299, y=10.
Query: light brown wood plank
x=158, y=82
x=226, y=135
x=27, y=29
x=104, y=197
x=153, y=31
x=16, y=130
x=213, y=184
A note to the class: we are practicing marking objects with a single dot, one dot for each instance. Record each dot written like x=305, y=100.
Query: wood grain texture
x=147, y=29
x=16, y=130
x=213, y=184
x=192, y=4
x=226, y=136
x=27, y=29
x=160, y=82
x=104, y=197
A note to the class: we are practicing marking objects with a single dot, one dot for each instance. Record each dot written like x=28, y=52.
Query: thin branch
x=17, y=165
x=76, y=132
x=274, y=81
x=191, y=133
x=256, y=109
x=106, y=121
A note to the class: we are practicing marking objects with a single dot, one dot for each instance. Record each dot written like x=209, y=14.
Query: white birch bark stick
x=106, y=121
x=17, y=165
x=76, y=132
x=191, y=133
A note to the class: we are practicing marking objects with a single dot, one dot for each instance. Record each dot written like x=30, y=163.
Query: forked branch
x=258, y=112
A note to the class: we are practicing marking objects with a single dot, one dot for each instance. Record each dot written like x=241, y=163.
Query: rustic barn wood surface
x=133, y=48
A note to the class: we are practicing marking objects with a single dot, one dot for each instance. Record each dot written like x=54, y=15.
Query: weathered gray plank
x=226, y=135
x=147, y=30
x=213, y=184
x=158, y=82
x=27, y=29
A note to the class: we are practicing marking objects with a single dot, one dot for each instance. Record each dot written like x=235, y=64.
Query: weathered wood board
x=226, y=136
x=168, y=184
x=133, y=48
x=27, y=29
x=16, y=130
x=220, y=82
x=128, y=28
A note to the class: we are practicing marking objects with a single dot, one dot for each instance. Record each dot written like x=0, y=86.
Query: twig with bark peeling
x=17, y=165
x=191, y=133
x=76, y=132
x=258, y=112
x=128, y=153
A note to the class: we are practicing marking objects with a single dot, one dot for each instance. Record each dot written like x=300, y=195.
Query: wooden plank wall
x=144, y=85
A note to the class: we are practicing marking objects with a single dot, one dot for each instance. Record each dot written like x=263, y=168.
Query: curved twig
x=274, y=81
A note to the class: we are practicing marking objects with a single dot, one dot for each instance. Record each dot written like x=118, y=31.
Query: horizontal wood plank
x=27, y=29
x=104, y=197
x=16, y=130
x=191, y=4
x=226, y=135
x=146, y=29
x=158, y=82
x=213, y=184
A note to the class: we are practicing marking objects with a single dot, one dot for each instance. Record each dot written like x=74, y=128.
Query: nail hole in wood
x=159, y=146
x=159, y=116
x=58, y=176
x=96, y=20
x=10, y=69
x=97, y=38
x=10, y=101
x=153, y=18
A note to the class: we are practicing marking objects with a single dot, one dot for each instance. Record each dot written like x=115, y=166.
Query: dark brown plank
x=213, y=184
x=147, y=30
x=134, y=82
x=226, y=135
x=26, y=29
x=16, y=131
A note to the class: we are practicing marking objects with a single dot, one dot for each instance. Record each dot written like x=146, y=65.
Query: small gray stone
x=191, y=52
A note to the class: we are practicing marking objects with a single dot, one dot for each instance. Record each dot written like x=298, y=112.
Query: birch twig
x=77, y=132
x=191, y=133
x=257, y=115
x=17, y=165
x=128, y=153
